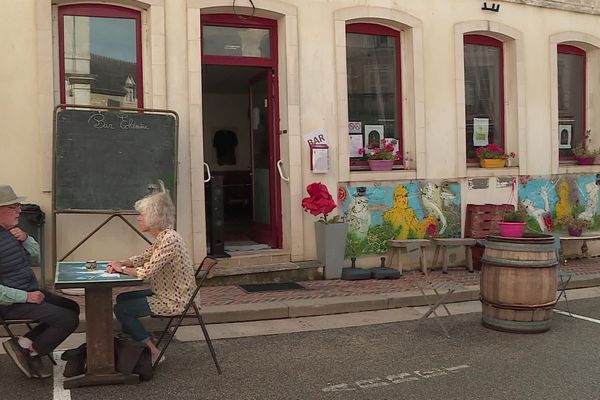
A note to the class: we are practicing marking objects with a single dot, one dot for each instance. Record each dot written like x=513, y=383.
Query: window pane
x=229, y=41
x=100, y=61
x=373, y=84
x=571, y=75
x=483, y=96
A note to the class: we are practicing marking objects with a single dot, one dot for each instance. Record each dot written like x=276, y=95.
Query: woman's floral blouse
x=168, y=267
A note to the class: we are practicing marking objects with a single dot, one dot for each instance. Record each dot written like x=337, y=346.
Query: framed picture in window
x=564, y=136
x=373, y=135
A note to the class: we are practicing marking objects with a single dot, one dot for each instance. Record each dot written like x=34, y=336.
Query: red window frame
x=573, y=50
x=233, y=21
x=374, y=29
x=102, y=11
x=482, y=40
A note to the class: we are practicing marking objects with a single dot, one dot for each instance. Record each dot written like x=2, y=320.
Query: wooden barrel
x=518, y=283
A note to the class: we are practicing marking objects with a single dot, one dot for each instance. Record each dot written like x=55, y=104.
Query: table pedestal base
x=100, y=379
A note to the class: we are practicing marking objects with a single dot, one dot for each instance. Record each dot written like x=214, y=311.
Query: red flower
x=319, y=200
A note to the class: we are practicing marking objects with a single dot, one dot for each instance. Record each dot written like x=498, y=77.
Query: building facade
x=253, y=82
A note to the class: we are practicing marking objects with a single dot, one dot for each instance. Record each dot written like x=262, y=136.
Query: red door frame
x=102, y=11
x=231, y=20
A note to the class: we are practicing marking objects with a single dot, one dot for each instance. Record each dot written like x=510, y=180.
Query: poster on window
x=355, y=127
x=564, y=136
x=481, y=129
x=373, y=135
x=355, y=144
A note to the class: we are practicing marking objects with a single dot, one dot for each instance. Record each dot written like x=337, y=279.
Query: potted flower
x=330, y=233
x=513, y=222
x=381, y=158
x=492, y=156
x=583, y=155
x=572, y=223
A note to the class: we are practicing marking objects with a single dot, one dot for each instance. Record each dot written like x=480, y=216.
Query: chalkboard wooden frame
x=86, y=180
x=104, y=124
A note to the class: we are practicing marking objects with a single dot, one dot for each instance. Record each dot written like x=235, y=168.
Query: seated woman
x=166, y=265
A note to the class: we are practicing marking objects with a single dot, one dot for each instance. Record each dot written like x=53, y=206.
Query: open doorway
x=240, y=147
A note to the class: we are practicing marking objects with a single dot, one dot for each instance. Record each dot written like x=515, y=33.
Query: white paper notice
x=481, y=129
x=320, y=161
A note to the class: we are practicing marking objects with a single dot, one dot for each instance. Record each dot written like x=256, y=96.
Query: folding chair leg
x=13, y=336
x=169, y=338
x=165, y=331
x=207, y=338
x=563, y=292
x=48, y=355
x=432, y=309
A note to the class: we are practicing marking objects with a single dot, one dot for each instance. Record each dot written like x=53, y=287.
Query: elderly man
x=21, y=297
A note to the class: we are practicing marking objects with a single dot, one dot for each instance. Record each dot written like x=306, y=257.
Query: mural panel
x=561, y=203
x=378, y=212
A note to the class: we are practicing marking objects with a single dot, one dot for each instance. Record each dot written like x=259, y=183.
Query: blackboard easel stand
x=92, y=233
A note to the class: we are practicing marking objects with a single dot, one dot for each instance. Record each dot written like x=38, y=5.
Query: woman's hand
x=114, y=267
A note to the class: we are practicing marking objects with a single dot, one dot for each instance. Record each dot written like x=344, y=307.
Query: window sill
x=476, y=172
x=379, y=176
x=577, y=169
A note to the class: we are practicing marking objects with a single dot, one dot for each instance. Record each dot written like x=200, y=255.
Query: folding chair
x=202, y=273
x=26, y=321
x=563, y=277
x=441, y=293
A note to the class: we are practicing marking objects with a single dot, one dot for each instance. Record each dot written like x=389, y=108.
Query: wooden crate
x=482, y=219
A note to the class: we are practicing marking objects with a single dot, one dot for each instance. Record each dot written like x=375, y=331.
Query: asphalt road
x=388, y=361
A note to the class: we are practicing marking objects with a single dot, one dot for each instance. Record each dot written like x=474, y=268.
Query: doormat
x=271, y=287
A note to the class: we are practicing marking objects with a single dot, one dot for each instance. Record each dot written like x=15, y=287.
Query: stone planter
x=492, y=162
x=331, y=247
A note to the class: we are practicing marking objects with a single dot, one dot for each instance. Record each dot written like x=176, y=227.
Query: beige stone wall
x=580, y=6
x=312, y=90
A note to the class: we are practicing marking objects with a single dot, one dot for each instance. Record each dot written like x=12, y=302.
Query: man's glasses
x=14, y=206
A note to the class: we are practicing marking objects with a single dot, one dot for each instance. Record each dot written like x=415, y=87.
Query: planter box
x=381, y=165
x=331, y=247
x=492, y=162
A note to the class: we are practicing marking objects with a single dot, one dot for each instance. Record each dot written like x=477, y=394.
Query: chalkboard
x=106, y=159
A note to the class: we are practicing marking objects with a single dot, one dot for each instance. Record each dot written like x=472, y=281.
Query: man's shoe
x=39, y=368
x=20, y=356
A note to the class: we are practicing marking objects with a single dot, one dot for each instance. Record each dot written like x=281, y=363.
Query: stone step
x=266, y=273
x=248, y=258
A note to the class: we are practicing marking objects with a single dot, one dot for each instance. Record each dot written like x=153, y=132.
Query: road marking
x=59, y=393
x=402, y=377
x=577, y=316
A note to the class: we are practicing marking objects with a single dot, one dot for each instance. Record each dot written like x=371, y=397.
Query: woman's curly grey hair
x=158, y=209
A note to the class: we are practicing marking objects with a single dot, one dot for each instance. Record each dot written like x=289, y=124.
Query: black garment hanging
x=225, y=142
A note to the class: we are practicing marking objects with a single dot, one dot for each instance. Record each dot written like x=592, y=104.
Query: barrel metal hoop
x=519, y=263
x=517, y=326
x=537, y=248
x=518, y=307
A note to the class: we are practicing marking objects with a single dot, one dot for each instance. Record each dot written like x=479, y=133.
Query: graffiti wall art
x=378, y=212
x=561, y=203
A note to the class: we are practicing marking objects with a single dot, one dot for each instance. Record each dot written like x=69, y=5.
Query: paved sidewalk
x=325, y=297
